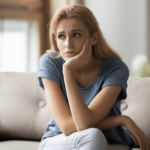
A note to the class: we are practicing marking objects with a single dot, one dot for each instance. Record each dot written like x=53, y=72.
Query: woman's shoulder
x=113, y=60
x=116, y=67
x=47, y=56
x=48, y=59
x=116, y=62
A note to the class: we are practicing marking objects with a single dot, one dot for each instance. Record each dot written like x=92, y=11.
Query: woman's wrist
x=111, y=122
x=125, y=119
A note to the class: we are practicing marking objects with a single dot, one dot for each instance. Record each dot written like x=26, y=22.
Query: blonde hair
x=101, y=48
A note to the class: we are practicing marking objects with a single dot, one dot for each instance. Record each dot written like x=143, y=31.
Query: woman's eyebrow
x=71, y=31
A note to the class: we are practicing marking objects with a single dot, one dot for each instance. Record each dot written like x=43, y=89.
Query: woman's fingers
x=143, y=141
x=89, y=50
x=147, y=144
x=139, y=142
x=81, y=55
x=86, y=52
x=144, y=144
x=138, y=134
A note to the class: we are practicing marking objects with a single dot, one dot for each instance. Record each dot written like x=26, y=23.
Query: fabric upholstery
x=24, y=113
x=137, y=103
x=19, y=145
x=23, y=110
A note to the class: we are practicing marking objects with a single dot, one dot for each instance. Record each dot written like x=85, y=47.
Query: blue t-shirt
x=113, y=72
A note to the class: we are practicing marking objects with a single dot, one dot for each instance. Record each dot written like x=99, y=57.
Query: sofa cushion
x=137, y=103
x=19, y=145
x=23, y=110
x=31, y=145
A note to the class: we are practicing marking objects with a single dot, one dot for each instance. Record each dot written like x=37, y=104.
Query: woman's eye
x=77, y=34
x=74, y=35
x=60, y=36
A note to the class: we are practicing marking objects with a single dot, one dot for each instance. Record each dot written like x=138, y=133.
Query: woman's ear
x=95, y=38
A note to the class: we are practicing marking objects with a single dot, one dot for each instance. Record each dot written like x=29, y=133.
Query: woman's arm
x=111, y=122
x=106, y=123
x=83, y=116
x=78, y=108
x=139, y=136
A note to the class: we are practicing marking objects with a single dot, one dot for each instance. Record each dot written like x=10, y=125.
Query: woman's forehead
x=70, y=24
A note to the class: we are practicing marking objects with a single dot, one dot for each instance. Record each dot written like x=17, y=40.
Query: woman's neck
x=93, y=64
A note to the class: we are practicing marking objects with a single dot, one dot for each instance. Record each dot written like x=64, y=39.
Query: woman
x=84, y=81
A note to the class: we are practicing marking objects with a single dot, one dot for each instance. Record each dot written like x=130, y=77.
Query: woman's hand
x=137, y=133
x=82, y=58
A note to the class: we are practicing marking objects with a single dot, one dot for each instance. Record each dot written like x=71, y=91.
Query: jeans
x=88, y=139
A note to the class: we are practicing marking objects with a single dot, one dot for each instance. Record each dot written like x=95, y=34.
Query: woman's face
x=71, y=34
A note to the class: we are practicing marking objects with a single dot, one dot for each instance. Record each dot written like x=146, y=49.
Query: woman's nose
x=68, y=42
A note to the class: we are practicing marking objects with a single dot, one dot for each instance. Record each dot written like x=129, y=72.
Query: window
x=23, y=34
x=19, y=48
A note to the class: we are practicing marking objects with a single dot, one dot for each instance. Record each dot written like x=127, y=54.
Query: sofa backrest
x=137, y=103
x=23, y=110
x=24, y=113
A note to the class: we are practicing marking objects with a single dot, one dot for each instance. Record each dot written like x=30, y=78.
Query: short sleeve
x=118, y=76
x=48, y=67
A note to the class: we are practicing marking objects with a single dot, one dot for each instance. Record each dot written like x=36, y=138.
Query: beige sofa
x=24, y=113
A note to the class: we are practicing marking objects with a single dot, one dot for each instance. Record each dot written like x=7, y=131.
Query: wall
x=124, y=25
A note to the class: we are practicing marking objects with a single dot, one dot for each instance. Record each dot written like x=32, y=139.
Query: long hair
x=100, y=50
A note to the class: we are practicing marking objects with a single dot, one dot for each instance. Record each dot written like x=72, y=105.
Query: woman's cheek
x=59, y=44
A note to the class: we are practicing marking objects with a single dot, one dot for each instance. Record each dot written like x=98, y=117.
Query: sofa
x=24, y=113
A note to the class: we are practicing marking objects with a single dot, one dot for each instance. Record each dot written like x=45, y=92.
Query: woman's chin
x=67, y=58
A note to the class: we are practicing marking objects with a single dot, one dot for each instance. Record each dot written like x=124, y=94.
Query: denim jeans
x=88, y=139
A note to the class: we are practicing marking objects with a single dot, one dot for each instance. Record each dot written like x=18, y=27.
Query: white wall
x=123, y=24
